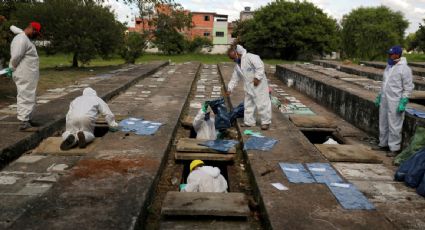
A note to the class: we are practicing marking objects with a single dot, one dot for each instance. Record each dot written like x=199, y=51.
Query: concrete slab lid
x=153, y=86
x=139, y=86
x=33, y=189
x=145, y=92
x=387, y=191
x=29, y=159
x=361, y=171
x=199, y=96
x=195, y=105
x=56, y=90
x=57, y=167
x=349, y=153
x=205, y=204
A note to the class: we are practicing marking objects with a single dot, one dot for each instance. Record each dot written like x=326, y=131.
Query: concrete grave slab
x=28, y=159
x=387, y=191
x=364, y=172
x=204, y=156
x=8, y=180
x=205, y=204
x=57, y=167
x=34, y=189
x=51, y=146
x=192, y=145
x=349, y=153
x=311, y=121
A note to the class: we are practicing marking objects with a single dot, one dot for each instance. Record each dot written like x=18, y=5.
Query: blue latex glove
x=182, y=186
x=402, y=104
x=378, y=100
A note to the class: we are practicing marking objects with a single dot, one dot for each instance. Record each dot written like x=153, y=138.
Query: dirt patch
x=101, y=168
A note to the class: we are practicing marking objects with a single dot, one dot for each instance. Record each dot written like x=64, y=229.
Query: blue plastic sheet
x=139, y=126
x=416, y=112
x=324, y=173
x=222, y=117
x=296, y=173
x=220, y=145
x=237, y=112
x=350, y=197
x=260, y=143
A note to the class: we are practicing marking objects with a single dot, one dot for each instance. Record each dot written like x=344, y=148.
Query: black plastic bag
x=222, y=117
x=237, y=112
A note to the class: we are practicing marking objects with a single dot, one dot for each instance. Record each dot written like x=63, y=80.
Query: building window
x=207, y=18
x=219, y=34
x=206, y=34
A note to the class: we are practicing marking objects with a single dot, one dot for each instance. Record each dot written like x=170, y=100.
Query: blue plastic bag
x=260, y=143
x=324, y=173
x=222, y=117
x=139, y=126
x=412, y=171
x=220, y=145
x=237, y=112
x=296, y=173
x=421, y=188
x=350, y=197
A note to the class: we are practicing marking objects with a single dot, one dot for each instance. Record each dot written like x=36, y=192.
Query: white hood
x=89, y=92
x=16, y=30
x=212, y=171
x=240, y=50
x=403, y=61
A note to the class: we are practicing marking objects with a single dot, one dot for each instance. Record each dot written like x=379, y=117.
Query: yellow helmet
x=195, y=163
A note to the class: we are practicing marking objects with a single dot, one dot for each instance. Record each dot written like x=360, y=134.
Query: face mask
x=392, y=62
x=207, y=116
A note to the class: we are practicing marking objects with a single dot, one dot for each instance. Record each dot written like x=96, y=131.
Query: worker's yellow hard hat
x=195, y=163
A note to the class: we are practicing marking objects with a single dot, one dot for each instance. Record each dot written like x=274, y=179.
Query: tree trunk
x=75, y=60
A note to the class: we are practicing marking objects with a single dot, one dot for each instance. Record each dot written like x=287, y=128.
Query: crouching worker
x=81, y=119
x=204, y=179
x=204, y=124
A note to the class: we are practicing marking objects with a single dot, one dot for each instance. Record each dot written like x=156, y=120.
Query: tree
x=289, y=30
x=368, y=31
x=196, y=45
x=82, y=28
x=420, y=38
x=411, y=42
x=134, y=46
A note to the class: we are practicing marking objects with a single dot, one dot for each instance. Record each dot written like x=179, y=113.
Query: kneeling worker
x=204, y=124
x=81, y=119
x=204, y=179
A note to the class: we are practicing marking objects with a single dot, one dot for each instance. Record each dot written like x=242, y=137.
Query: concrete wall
x=217, y=49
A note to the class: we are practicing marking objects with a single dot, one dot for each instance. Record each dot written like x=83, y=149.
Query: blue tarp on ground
x=260, y=143
x=296, y=173
x=350, y=197
x=139, y=126
x=416, y=112
x=324, y=173
x=220, y=145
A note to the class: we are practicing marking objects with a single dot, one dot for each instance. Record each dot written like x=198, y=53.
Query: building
x=246, y=14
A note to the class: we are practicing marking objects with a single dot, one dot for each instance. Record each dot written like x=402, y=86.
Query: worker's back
x=86, y=105
x=206, y=179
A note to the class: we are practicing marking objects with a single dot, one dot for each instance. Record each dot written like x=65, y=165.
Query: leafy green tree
x=83, y=28
x=420, y=38
x=368, y=31
x=289, y=30
x=133, y=48
x=196, y=45
x=411, y=42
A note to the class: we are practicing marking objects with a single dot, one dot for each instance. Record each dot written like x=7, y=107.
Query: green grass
x=415, y=57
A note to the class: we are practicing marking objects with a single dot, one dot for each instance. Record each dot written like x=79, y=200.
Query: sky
x=413, y=10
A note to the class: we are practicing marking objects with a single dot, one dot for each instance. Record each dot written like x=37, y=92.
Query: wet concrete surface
x=109, y=188
x=50, y=117
x=305, y=206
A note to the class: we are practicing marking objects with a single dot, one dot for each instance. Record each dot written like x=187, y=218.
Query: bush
x=196, y=45
x=133, y=47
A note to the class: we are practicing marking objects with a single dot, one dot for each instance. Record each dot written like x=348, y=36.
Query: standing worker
x=392, y=100
x=250, y=69
x=25, y=67
x=81, y=119
x=204, y=179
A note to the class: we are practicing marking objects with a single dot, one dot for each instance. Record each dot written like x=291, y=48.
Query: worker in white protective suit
x=204, y=124
x=250, y=69
x=204, y=179
x=25, y=67
x=81, y=119
x=396, y=88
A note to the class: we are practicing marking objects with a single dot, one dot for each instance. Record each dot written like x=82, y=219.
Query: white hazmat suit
x=25, y=65
x=82, y=115
x=206, y=179
x=256, y=97
x=205, y=130
x=397, y=84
